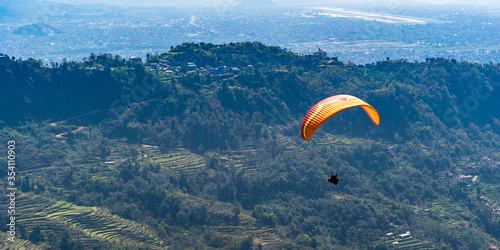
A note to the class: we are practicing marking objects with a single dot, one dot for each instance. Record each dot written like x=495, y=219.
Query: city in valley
x=358, y=33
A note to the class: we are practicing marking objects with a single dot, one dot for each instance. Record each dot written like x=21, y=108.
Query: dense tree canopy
x=247, y=101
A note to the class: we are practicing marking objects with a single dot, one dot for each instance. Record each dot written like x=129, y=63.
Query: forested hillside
x=200, y=147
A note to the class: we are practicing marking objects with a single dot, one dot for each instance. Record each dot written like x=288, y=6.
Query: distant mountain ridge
x=255, y=3
x=28, y=11
x=14, y=10
x=37, y=29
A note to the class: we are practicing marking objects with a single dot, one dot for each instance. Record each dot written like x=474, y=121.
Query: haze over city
x=362, y=32
x=178, y=3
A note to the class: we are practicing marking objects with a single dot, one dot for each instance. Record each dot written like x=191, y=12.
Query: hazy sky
x=492, y=3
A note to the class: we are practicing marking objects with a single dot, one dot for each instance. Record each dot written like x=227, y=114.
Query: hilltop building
x=318, y=55
x=4, y=58
x=135, y=59
x=308, y=59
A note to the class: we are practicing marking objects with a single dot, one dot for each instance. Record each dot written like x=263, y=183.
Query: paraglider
x=334, y=178
x=329, y=107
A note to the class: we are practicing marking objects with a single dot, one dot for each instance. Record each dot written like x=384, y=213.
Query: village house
x=485, y=159
x=497, y=211
x=4, y=58
x=135, y=59
x=465, y=160
x=405, y=236
x=155, y=66
x=191, y=66
x=89, y=62
x=469, y=179
x=471, y=169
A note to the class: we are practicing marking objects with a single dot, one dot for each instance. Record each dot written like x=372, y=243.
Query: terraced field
x=19, y=244
x=455, y=214
x=491, y=192
x=95, y=225
x=247, y=224
x=183, y=161
x=89, y=224
x=250, y=158
x=412, y=243
x=119, y=151
x=177, y=160
x=329, y=139
x=180, y=160
x=265, y=234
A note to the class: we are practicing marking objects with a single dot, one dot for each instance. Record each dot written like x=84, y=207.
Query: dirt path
x=71, y=118
x=144, y=146
x=62, y=135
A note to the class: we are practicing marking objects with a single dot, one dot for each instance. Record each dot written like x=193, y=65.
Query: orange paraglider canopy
x=330, y=106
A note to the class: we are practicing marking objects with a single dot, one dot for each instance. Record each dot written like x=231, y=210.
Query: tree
x=36, y=235
x=3, y=166
x=343, y=235
x=26, y=184
x=236, y=215
x=134, y=152
x=67, y=242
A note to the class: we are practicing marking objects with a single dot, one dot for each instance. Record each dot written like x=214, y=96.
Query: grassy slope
x=89, y=225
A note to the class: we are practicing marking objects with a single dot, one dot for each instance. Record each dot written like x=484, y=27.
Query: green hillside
x=116, y=154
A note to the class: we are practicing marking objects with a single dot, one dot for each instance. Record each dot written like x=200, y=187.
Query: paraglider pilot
x=334, y=178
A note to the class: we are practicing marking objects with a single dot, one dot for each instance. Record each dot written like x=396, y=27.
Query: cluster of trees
x=232, y=54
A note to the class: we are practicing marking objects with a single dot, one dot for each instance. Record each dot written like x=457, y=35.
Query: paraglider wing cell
x=330, y=106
